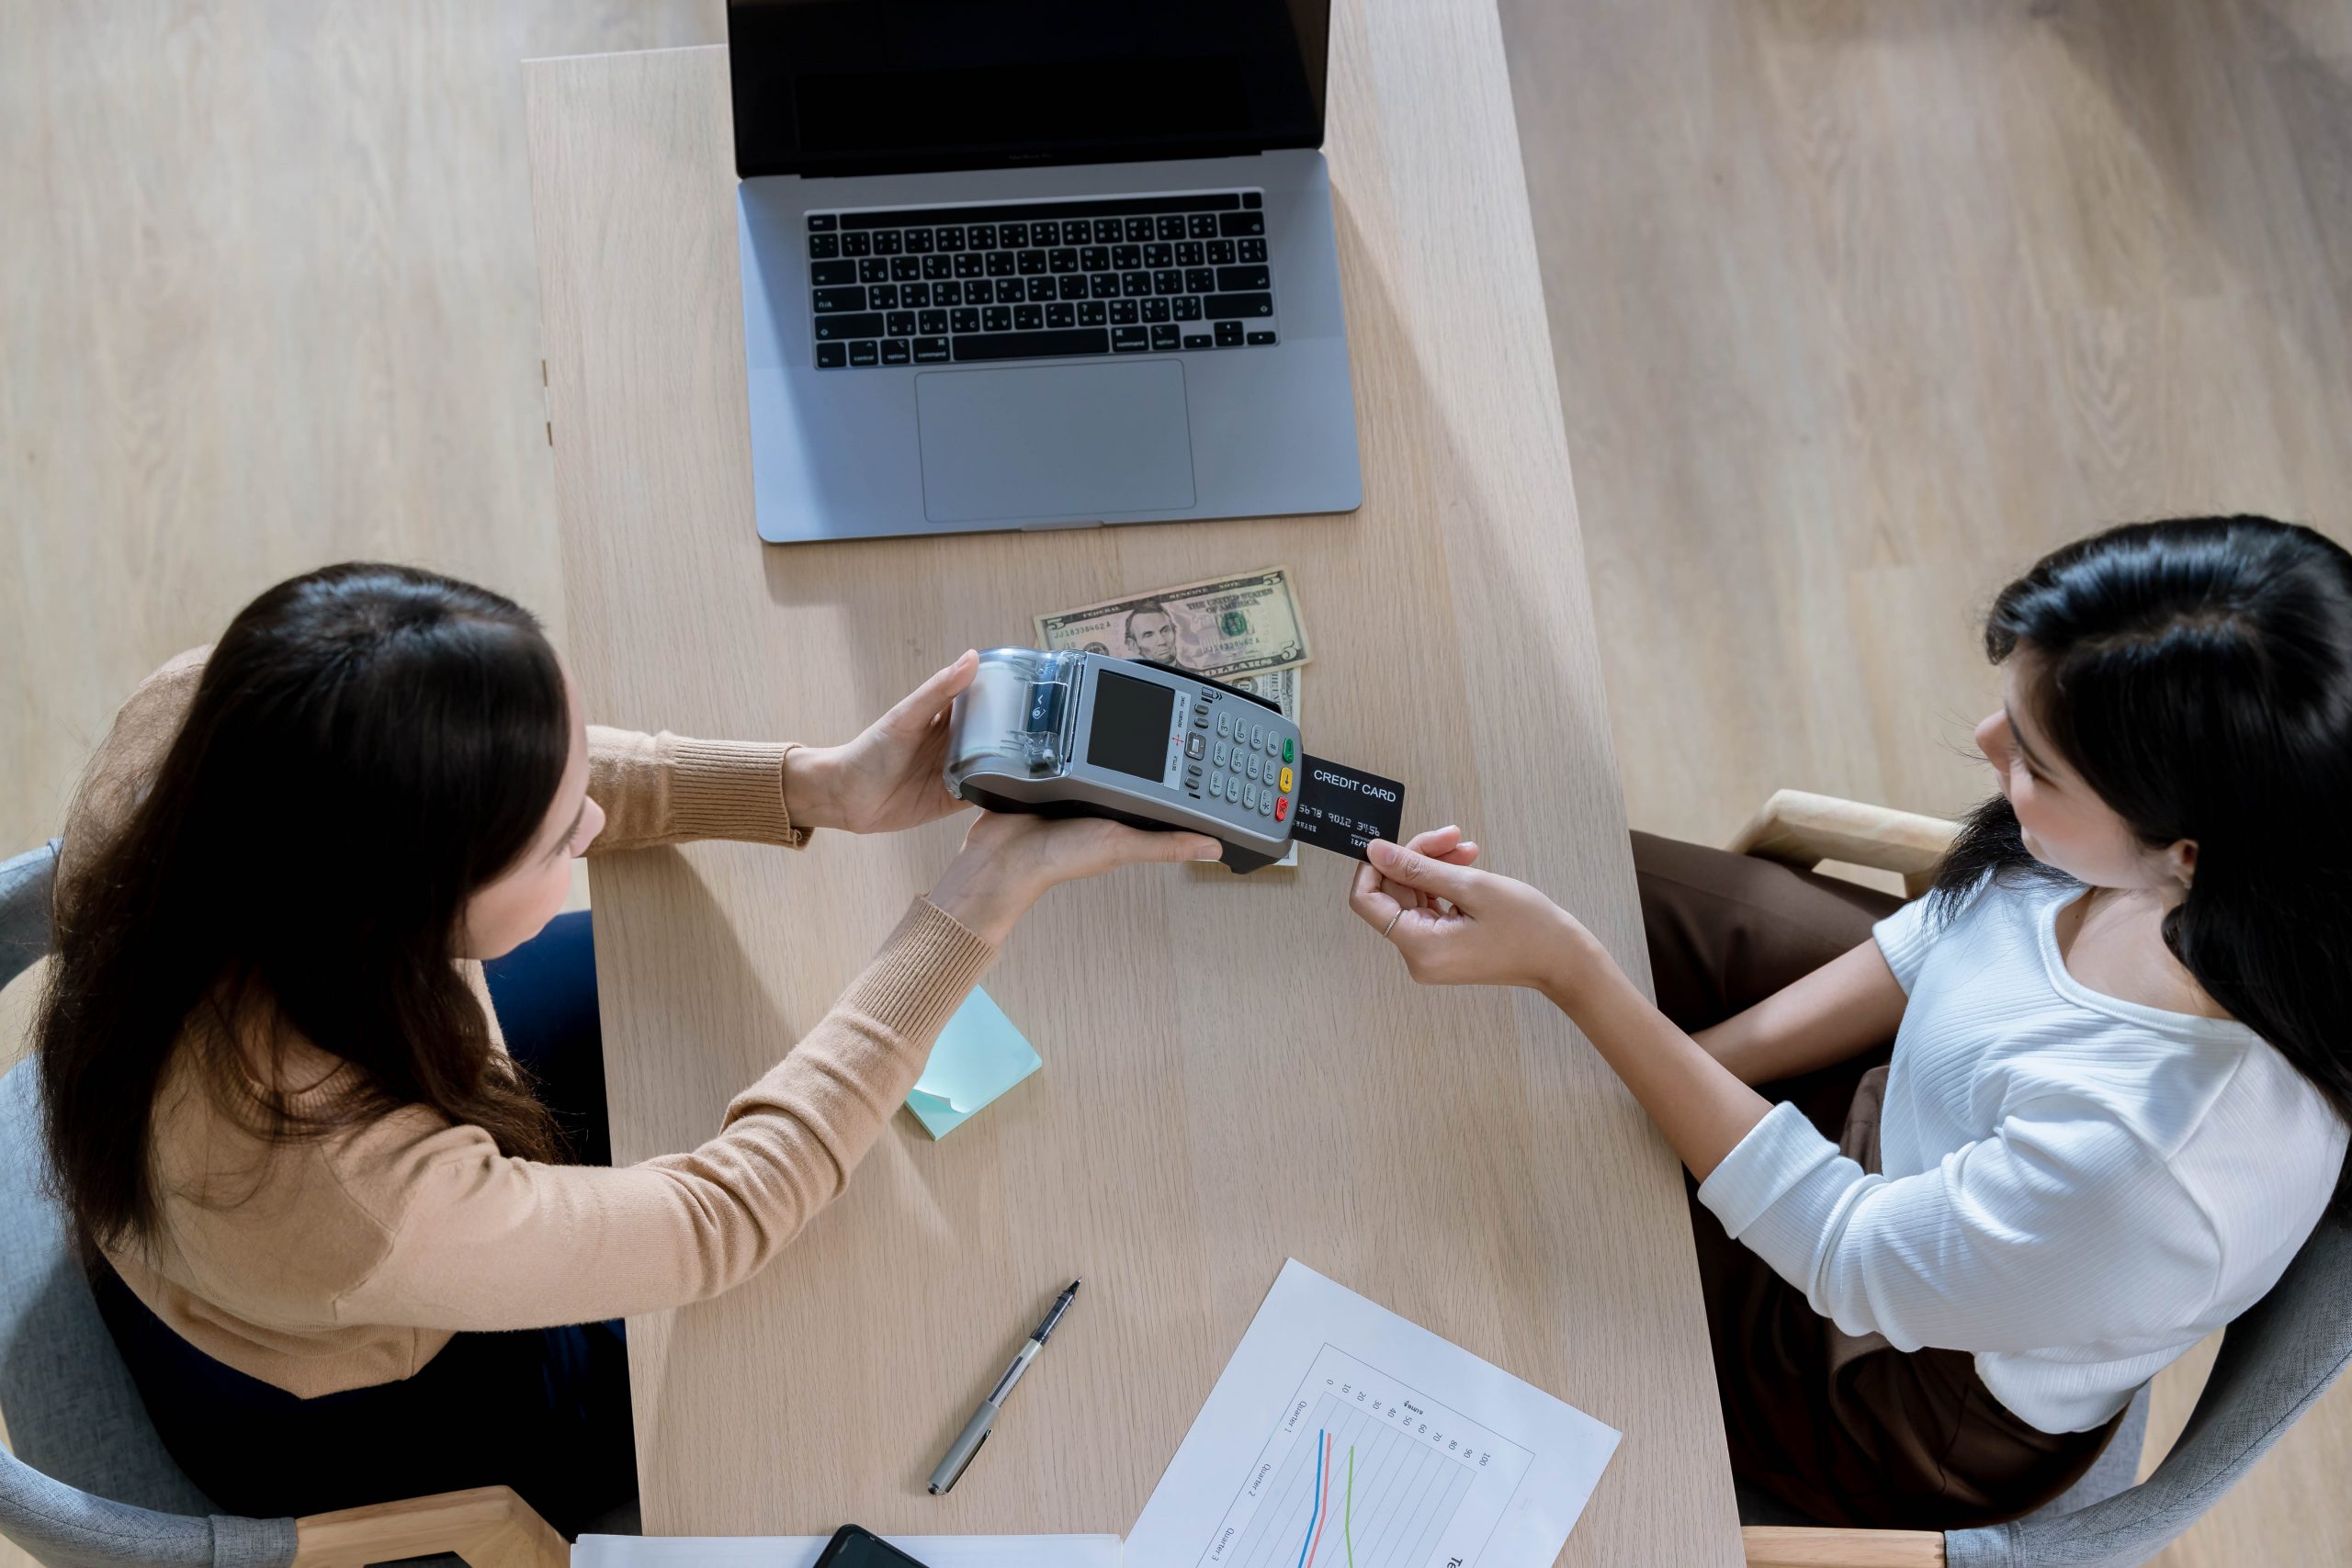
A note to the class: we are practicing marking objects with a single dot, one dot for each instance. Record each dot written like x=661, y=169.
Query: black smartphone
x=855, y=1547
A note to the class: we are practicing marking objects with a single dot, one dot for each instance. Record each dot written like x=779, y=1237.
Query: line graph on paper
x=1363, y=1470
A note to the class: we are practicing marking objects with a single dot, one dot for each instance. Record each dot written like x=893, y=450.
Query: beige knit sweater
x=334, y=1264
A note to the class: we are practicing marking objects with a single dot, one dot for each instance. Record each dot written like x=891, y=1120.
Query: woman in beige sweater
x=338, y=1235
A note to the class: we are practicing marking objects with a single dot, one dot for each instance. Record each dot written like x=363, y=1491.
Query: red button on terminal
x=1282, y=809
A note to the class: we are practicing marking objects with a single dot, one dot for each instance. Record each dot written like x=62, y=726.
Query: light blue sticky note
x=979, y=1055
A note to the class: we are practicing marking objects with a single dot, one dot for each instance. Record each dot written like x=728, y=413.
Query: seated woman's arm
x=456, y=1235
x=1456, y=925
x=2063, y=1227
x=1845, y=1007
x=670, y=789
x=473, y=1240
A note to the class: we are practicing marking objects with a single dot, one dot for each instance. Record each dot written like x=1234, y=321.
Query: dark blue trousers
x=545, y=1411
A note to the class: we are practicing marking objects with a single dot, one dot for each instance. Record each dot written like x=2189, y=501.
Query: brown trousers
x=1848, y=1431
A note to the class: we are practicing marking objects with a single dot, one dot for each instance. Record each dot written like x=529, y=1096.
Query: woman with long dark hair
x=341, y=1231
x=2044, y=1129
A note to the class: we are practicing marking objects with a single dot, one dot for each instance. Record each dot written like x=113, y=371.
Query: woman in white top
x=2120, y=1081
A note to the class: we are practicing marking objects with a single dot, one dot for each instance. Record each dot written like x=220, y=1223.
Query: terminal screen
x=1131, y=724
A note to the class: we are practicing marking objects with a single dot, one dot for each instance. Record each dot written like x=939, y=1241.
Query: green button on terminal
x=1286, y=752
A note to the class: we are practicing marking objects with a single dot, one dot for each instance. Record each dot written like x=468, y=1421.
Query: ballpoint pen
x=976, y=1431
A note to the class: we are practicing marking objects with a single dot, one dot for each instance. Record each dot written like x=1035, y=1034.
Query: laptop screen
x=867, y=86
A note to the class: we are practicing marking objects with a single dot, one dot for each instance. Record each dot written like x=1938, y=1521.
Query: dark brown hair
x=360, y=716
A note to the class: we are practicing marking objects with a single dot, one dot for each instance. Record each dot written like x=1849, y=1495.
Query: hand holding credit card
x=1342, y=808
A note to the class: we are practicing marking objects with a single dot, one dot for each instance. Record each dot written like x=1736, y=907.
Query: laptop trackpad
x=1055, y=441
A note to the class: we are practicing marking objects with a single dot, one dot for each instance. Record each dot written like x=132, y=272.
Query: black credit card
x=1342, y=808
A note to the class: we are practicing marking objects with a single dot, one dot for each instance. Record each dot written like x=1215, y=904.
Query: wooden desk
x=1236, y=1070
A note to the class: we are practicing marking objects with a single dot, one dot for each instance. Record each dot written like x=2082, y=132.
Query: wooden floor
x=1857, y=307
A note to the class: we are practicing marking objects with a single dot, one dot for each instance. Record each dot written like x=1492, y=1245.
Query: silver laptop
x=1038, y=264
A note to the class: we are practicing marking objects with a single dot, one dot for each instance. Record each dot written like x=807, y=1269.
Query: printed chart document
x=800, y=1551
x=1340, y=1434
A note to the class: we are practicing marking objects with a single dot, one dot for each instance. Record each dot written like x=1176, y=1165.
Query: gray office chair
x=2275, y=1359
x=81, y=1436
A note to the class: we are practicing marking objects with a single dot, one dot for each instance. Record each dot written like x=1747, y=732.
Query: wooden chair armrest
x=490, y=1526
x=1801, y=830
x=1816, y=1546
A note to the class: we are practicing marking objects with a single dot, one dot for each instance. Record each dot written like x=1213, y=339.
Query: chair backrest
x=63, y=1527
x=25, y=886
x=2275, y=1359
x=75, y=1422
x=71, y=1409
x=2117, y=1469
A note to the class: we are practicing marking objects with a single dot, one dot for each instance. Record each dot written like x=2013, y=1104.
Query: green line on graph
x=1348, y=1518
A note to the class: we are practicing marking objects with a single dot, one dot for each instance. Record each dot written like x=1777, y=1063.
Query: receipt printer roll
x=1088, y=735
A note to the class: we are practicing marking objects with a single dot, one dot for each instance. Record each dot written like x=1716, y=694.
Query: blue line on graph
x=1314, y=1512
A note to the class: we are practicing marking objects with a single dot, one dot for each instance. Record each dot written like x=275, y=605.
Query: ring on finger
x=1392, y=920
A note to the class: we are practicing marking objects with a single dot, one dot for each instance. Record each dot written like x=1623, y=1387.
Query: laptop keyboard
x=1040, y=280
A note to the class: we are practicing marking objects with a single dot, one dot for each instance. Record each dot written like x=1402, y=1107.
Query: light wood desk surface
x=1236, y=1070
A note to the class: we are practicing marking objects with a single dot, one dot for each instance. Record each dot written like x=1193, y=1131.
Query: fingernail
x=1382, y=851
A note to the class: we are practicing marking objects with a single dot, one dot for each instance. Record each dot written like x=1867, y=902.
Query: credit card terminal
x=1087, y=735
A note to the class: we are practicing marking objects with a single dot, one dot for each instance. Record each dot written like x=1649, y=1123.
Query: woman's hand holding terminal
x=1008, y=862
x=889, y=777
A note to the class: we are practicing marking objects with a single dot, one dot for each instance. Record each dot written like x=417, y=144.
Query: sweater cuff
x=922, y=974
x=733, y=789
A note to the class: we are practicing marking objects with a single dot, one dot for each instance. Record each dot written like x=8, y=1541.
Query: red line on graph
x=1324, y=1518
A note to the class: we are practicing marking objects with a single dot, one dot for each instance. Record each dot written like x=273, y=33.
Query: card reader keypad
x=1245, y=766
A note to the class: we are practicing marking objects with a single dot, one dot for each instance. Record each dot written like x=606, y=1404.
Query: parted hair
x=366, y=746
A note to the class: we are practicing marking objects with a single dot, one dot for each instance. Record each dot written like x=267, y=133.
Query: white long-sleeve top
x=2077, y=1189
